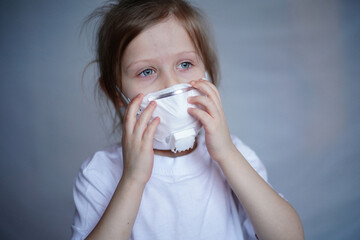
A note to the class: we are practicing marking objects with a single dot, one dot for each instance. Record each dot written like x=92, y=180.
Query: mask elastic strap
x=206, y=77
x=127, y=102
x=124, y=98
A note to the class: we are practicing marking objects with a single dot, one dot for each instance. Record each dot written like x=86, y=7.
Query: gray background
x=290, y=91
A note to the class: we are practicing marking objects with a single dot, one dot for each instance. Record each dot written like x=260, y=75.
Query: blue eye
x=185, y=65
x=146, y=72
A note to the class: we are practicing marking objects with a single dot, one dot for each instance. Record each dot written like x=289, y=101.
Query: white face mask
x=177, y=129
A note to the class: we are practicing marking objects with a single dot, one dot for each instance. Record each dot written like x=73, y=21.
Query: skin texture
x=158, y=58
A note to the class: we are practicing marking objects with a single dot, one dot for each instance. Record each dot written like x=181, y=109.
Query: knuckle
x=144, y=118
x=139, y=123
x=149, y=129
x=193, y=110
x=200, y=98
x=146, y=133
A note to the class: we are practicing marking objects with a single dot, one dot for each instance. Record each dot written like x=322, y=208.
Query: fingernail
x=157, y=118
x=152, y=103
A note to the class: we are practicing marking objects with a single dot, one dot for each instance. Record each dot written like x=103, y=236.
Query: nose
x=170, y=78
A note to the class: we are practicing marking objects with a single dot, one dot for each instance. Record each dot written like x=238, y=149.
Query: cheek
x=192, y=74
x=134, y=86
x=127, y=87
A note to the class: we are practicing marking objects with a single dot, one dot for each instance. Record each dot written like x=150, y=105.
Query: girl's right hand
x=137, y=141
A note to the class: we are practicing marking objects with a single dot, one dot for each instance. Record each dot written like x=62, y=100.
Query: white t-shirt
x=186, y=197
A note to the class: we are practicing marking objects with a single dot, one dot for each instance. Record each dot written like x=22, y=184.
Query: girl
x=184, y=185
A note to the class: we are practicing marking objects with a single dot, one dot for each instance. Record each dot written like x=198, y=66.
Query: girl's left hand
x=217, y=136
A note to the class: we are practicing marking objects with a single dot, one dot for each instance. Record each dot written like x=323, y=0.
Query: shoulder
x=250, y=155
x=93, y=187
x=103, y=168
x=109, y=158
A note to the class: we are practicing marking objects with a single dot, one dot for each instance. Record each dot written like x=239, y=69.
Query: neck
x=169, y=153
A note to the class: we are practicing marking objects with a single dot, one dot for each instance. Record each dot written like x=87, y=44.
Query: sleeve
x=259, y=167
x=93, y=188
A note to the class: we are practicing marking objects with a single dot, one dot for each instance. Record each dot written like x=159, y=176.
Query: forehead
x=168, y=36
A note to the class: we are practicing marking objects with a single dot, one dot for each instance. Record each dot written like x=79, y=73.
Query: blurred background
x=290, y=88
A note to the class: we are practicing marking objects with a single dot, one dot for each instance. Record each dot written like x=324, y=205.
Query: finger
x=130, y=113
x=211, y=86
x=144, y=119
x=205, y=87
x=150, y=130
x=214, y=88
x=207, y=103
x=203, y=116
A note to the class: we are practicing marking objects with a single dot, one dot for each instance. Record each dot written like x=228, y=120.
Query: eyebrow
x=153, y=59
x=139, y=61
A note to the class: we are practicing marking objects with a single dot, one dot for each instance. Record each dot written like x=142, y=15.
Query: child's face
x=159, y=57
